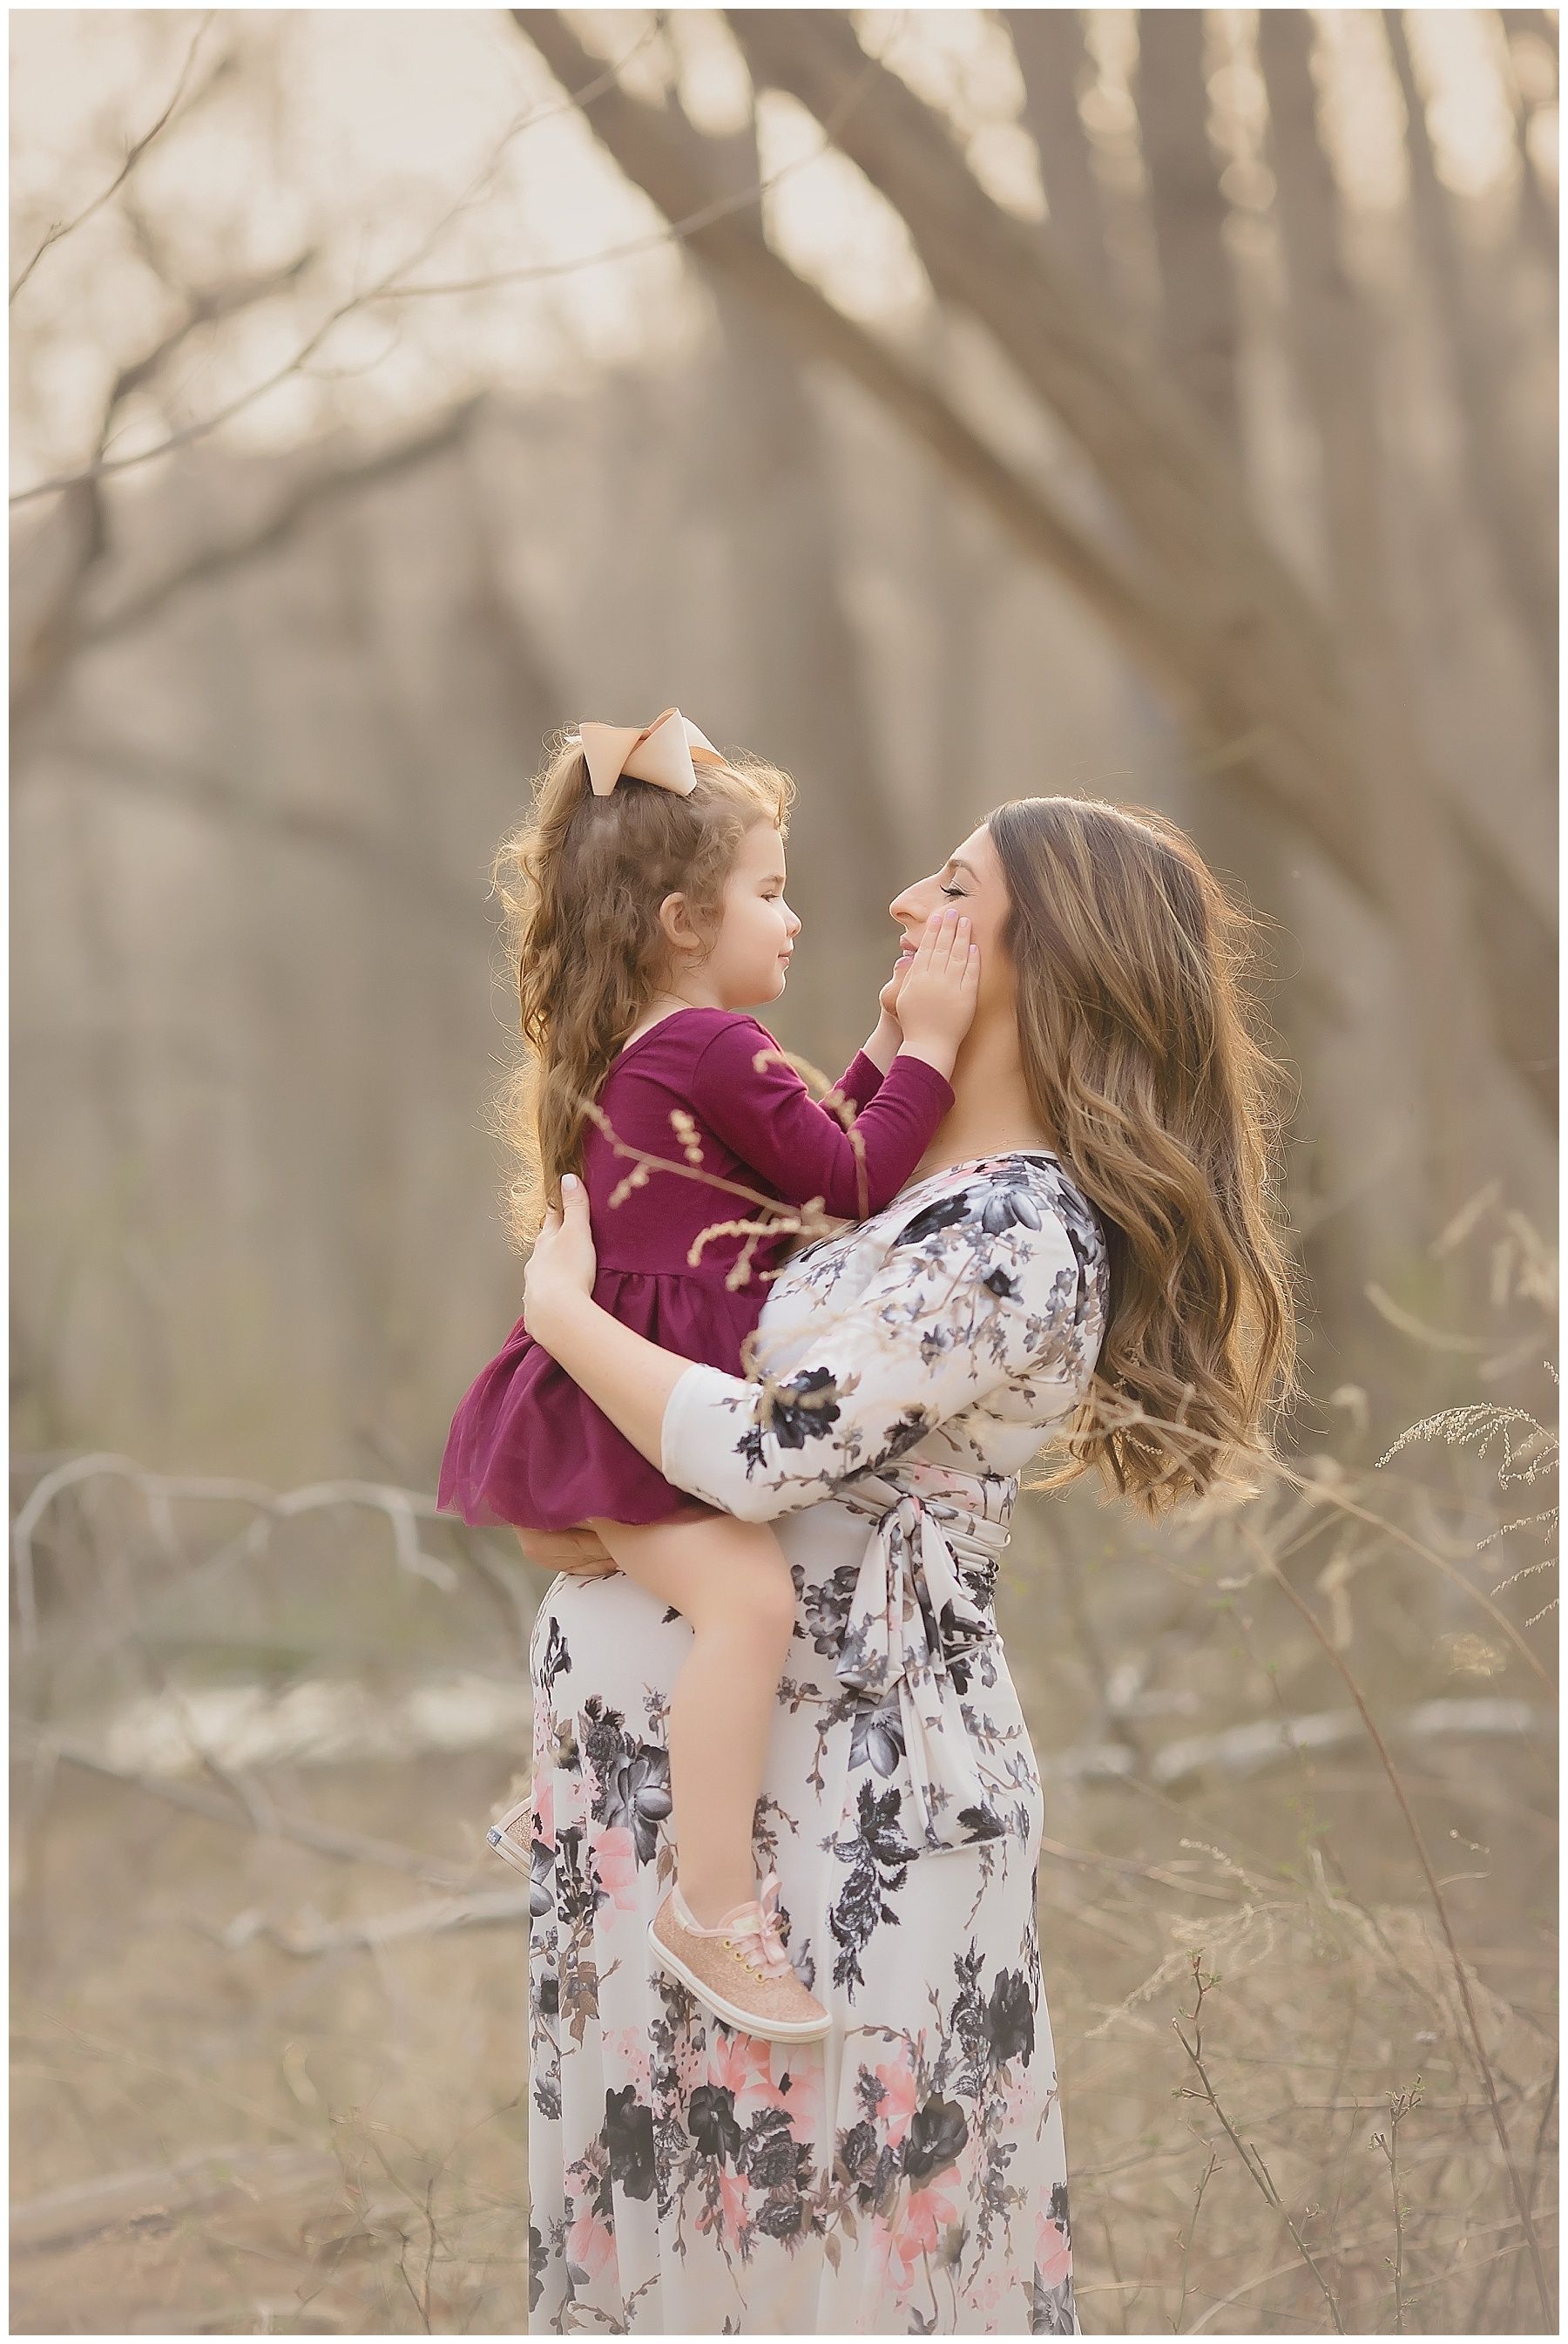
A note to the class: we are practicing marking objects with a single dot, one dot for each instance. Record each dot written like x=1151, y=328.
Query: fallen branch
x=324, y=1839
x=321, y=490
x=330, y=1721
x=85, y=2209
x=427, y=1920
x=402, y=1508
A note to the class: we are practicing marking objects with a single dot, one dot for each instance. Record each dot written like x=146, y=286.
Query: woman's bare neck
x=991, y=1113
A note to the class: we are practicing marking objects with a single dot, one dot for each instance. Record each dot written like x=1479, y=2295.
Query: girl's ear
x=675, y=919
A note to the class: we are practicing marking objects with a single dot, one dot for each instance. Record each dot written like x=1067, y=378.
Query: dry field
x=268, y=1986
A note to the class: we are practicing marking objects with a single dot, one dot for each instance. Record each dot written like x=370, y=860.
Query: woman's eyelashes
x=951, y=891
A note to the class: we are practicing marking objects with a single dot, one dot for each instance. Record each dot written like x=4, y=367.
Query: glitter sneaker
x=738, y=1969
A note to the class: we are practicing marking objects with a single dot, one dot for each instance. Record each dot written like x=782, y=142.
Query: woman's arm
x=982, y=1289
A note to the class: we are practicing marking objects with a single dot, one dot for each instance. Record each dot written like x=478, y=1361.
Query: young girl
x=646, y=903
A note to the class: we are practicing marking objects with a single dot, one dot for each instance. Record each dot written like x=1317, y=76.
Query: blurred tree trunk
x=1407, y=823
x=1262, y=662
x=1259, y=653
x=383, y=973
x=123, y=1078
x=1200, y=340
x=1052, y=57
x=960, y=588
x=1199, y=328
x=492, y=635
x=759, y=454
x=1537, y=217
x=1501, y=482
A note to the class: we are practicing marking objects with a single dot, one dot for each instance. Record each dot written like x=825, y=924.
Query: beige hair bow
x=661, y=752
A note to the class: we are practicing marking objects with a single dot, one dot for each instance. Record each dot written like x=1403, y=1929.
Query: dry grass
x=1304, y=2014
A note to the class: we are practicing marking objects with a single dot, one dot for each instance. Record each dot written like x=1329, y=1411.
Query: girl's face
x=750, y=961
x=972, y=877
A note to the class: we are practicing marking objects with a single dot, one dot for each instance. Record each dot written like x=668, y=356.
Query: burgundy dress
x=525, y=1445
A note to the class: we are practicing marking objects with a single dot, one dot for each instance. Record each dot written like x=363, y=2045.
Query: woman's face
x=972, y=877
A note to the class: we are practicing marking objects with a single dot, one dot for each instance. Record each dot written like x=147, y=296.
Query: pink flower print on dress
x=894, y=2259
x=734, y=2210
x=900, y=2246
x=900, y=2097
x=735, y=2199
x=614, y=1856
x=1052, y=2254
x=986, y=2293
x=743, y=2065
x=930, y=2212
x=589, y=2243
x=627, y=2056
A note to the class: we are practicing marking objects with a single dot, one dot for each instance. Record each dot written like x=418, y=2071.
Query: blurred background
x=952, y=406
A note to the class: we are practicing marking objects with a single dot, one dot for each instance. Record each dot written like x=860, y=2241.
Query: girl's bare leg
x=730, y=1581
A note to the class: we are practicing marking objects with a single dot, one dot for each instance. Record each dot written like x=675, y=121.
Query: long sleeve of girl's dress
x=982, y=1289
x=860, y=1080
x=745, y=1089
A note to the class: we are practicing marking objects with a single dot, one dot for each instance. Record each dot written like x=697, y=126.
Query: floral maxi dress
x=907, y=2175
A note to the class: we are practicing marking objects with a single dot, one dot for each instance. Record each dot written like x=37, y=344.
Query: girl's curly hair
x=580, y=882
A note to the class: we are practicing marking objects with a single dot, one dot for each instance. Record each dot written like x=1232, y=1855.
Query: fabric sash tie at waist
x=911, y=1622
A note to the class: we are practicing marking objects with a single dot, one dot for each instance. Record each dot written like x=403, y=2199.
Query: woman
x=1085, y=1251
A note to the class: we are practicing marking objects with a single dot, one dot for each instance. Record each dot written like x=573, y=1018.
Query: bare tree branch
x=318, y=492
x=161, y=775
x=45, y=639
x=103, y=467
x=134, y=154
x=401, y=1508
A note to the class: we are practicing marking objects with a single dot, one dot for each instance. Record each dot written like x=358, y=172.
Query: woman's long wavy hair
x=1141, y=1061
x=580, y=882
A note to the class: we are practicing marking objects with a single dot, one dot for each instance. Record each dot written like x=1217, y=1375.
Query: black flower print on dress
x=555, y=1658
x=629, y=2142
x=803, y=1408
x=877, y=1859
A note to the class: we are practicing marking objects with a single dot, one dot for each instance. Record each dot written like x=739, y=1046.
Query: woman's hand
x=577, y=1553
x=562, y=1263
